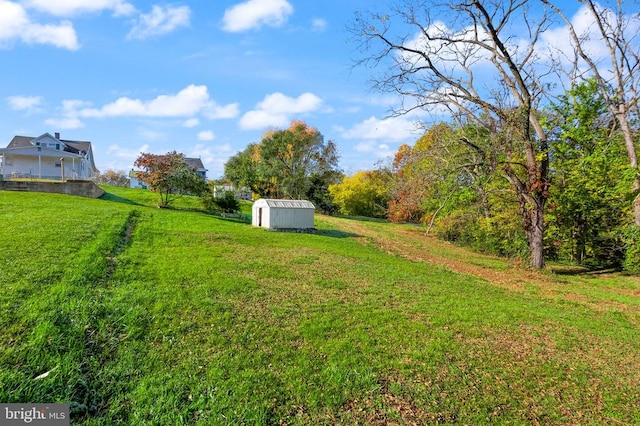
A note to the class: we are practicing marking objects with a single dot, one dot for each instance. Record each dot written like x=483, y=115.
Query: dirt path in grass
x=415, y=245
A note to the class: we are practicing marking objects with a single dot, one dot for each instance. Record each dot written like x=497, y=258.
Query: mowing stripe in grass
x=69, y=327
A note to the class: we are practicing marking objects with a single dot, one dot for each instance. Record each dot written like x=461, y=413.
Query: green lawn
x=142, y=315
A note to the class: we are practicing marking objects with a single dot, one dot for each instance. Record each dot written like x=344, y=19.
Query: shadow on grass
x=236, y=218
x=111, y=197
x=334, y=233
x=243, y=219
x=581, y=270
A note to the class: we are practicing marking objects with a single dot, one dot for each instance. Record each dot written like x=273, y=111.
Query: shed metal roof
x=287, y=204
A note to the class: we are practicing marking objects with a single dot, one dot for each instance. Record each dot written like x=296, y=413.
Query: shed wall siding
x=290, y=218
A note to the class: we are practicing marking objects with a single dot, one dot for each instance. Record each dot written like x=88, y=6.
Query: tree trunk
x=636, y=204
x=533, y=218
x=484, y=201
x=532, y=196
x=633, y=162
x=536, y=235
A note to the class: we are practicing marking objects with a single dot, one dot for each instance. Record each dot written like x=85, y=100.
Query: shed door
x=260, y=216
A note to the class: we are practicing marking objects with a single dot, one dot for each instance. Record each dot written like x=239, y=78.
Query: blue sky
x=203, y=77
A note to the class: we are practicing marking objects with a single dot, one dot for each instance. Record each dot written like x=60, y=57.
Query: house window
x=58, y=164
x=58, y=146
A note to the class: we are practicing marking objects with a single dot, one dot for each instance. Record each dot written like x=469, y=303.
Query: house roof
x=195, y=163
x=20, y=142
x=79, y=146
x=73, y=147
x=76, y=146
x=286, y=204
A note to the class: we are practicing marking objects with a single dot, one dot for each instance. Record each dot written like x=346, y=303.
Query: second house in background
x=195, y=163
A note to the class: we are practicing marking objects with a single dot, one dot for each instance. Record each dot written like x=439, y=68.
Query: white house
x=284, y=215
x=240, y=193
x=47, y=157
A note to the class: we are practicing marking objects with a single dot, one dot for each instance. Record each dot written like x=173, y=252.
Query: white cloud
x=279, y=103
x=215, y=111
x=127, y=154
x=192, y=122
x=69, y=115
x=253, y=14
x=70, y=106
x=396, y=129
x=208, y=154
x=161, y=20
x=12, y=18
x=64, y=123
x=276, y=110
x=24, y=103
x=558, y=40
x=188, y=102
x=206, y=135
x=76, y=7
x=555, y=43
x=213, y=157
x=254, y=120
x=318, y=24
x=16, y=25
x=379, y=150
x=63, y=35
x=121, y=158
x=446, y=56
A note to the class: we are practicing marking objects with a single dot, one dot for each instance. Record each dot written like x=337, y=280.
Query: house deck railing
x=17, y=177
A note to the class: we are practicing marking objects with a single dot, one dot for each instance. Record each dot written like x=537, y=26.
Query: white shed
x=283, y=215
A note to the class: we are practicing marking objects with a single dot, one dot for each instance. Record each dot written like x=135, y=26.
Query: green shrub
x=500, y=235
x=632, y=253
x=228, y=203
x=455, y=227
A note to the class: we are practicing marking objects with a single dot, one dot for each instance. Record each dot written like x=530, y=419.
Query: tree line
x=549, y=172
x=452, y=182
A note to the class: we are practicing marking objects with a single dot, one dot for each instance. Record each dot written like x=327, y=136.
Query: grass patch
x=153, y=316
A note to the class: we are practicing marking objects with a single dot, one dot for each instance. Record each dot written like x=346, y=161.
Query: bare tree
x=616, y=72
x=114, y=178
x=476, y=60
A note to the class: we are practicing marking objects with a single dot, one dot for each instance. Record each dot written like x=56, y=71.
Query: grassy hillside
x=138, y=315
